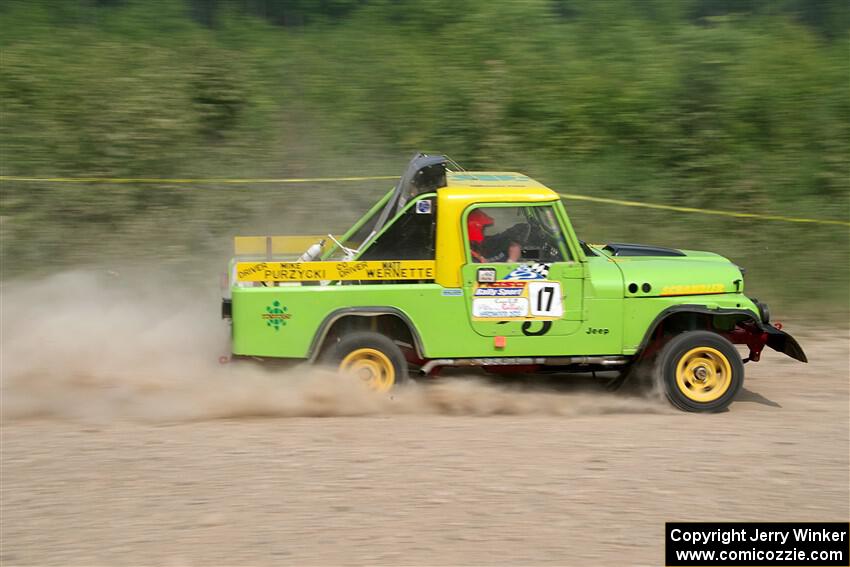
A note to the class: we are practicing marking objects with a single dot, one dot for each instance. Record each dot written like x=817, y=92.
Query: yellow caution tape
x=570, y=196
x=334, y=271
x=192, y=181
x=679, y=209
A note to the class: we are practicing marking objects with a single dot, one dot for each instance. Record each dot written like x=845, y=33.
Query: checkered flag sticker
x=533, y=272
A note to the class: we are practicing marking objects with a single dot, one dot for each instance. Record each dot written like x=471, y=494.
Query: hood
x=650, y=271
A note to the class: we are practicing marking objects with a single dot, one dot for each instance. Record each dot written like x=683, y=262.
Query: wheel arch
x=362, y=314
x=693, y=317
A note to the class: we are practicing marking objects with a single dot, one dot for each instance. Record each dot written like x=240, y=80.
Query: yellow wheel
x=371, y=357
x=700, y=371
x=703, y=374
x=370, y=365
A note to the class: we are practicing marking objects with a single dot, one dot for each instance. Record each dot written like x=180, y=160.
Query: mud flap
x=782, y=342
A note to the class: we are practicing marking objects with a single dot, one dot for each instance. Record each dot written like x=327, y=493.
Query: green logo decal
x=276, y=315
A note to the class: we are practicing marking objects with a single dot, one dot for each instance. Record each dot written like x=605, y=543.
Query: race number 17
x=545, y=299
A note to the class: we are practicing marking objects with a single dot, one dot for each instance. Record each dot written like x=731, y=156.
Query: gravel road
x=201, y=466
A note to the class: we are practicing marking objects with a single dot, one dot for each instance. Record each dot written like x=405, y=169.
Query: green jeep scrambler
x=458, y=268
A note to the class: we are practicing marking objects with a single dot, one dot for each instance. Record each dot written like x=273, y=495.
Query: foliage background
x=739, y=105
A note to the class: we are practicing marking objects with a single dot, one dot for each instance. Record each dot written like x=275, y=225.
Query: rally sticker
x=499, y=307
x=526, y=272
x=517, y=299
x=546, y=299
x=499, y=292
x=335, y=271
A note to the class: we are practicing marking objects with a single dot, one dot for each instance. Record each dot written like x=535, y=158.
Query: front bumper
x=781, y=341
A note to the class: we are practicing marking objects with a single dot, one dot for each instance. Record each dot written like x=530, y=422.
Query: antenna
x=454, y=163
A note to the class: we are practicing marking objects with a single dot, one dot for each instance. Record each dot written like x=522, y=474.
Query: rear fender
x=367, y=313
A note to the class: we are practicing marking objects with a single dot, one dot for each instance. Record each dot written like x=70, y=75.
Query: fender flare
x=334, y=316
x=691, y=308
x=777, y=339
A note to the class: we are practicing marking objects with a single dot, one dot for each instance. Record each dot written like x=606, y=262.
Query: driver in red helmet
x=476, y=222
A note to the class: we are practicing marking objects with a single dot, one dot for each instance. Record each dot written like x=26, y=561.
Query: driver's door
x=539, y=293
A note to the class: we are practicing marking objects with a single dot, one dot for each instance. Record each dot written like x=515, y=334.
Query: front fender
x=750, y=330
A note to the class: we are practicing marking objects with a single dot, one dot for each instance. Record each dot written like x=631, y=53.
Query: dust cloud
x=99, y=347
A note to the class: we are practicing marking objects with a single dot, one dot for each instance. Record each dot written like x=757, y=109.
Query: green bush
x=728, y=105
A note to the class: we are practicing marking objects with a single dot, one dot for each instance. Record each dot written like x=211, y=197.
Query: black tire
x=363, y=342
x=700, y=371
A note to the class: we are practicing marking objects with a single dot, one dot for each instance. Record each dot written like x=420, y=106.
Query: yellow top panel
x=467, y=188
x=484, y=179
